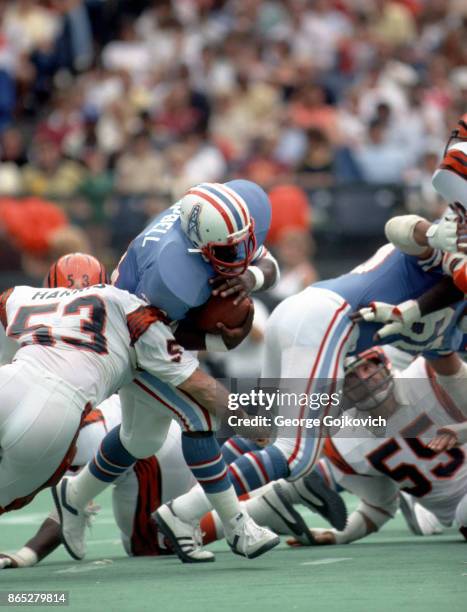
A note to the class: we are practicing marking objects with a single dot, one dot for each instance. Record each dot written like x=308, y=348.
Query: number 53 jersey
x=93, y=338
x=360, y=459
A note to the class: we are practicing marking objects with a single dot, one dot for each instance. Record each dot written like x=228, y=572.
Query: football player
x=76, y=348
x=376, y=464
x=211, y=241
x=139, y=492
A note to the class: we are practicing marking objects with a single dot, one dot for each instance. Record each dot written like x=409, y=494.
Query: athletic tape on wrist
x=259, y=277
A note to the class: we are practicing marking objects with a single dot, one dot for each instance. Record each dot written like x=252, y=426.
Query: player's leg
x=312, y=333
x=143, y=429
x=39, y=419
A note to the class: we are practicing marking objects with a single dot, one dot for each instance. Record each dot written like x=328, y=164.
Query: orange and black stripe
x=140, y=319
x=336, y=458
x=455, y=161
x=94, y=416
x=144, y=540
x=3, y=300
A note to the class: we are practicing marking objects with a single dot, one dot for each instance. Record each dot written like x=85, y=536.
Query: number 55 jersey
x=93, y=338
x=376, y=464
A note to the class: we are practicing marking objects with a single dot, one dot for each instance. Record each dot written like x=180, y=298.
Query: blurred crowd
x=113, y=108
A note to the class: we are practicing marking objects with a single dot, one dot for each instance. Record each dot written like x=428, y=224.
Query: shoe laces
x=90, y=513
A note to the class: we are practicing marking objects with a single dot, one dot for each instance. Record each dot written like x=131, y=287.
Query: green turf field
x=390, y=571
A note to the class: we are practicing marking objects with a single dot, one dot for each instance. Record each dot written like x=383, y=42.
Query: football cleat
x=419, y=520
x=185, y=538
x=73, y=522
x=318, y=497
x=248, y=539
x=284, y=519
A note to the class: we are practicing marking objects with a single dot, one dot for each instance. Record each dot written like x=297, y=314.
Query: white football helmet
x=216, y=219
x=450, y=179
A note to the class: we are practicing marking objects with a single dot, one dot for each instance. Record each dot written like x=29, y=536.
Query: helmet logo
x=193, y=224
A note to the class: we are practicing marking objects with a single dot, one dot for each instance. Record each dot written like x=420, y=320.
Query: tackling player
x=377, y=464
x=77, y=347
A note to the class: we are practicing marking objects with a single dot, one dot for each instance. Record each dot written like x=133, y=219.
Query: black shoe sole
x=169, y=534
x=58, y=507
x=334, y=509
x=264, y=549
x=299, y=528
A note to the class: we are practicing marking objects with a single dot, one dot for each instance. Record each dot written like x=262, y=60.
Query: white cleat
x=248, y=539
x=419, y=520
x=185, y=538
x=72, y=520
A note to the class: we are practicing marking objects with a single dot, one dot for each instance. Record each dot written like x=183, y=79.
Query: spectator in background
x=140, y=169
x=325, y=164
x=379, y=160
x=50, y=174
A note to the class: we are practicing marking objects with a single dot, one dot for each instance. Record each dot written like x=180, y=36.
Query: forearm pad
x=400, y=231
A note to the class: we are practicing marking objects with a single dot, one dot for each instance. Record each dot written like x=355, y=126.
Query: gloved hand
x=450, y=234
x=397, y=317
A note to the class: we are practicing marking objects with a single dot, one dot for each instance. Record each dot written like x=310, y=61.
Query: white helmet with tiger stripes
x=216, y=219
x=450, y=179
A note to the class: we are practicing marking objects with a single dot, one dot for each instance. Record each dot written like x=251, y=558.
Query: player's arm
x=42, y=544
x=262, y=274
x=377, y=508
x=414, y=235
x=451, y=374
x=158, y=353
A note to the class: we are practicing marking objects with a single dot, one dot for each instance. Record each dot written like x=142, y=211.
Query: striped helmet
x=76, y=271
x=450, y=178
x=216, y=219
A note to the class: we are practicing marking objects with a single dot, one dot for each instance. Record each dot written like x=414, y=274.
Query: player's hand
x=321, y=537
x=450, y=234
x=233, y=336
x=456, y=266
x=242, y=285
x=444, y=441
x=6, y=562
x=396, y=317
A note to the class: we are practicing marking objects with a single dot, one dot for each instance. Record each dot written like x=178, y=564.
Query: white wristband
x=215, y=343
x=25, y=557
x=259, y=277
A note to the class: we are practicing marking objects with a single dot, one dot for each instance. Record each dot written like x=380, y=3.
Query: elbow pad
x=399, y=231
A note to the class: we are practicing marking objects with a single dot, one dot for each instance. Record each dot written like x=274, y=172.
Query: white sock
x=226, y=505
x=191, y=506
x=83, y=488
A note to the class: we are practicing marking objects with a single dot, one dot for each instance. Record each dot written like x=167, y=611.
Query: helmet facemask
x=368, y=392
x=224, y=258
x=459, y=133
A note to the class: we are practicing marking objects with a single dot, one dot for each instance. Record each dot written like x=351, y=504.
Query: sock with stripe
x=204, y=458
x=111, y=461
x=236, y=447
x=255, y=469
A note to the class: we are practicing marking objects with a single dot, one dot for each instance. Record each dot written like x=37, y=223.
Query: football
x=222, y=310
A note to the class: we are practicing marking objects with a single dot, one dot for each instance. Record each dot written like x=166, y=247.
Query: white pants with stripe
x=148, y=407
x=307, y=338
x=39, y=417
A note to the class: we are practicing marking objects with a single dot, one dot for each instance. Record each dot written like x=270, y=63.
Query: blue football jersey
x=393, y=277
x=159, y=267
